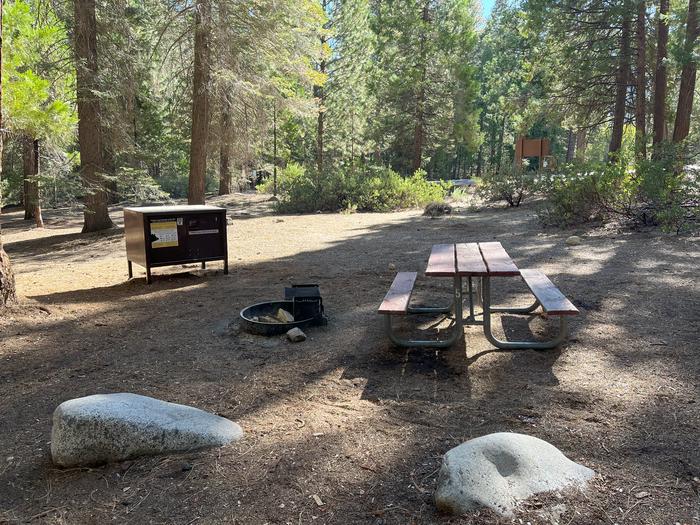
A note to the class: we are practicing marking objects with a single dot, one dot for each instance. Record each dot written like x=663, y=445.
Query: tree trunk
x=274, y=149
x=320, y=124
x=200, y=103
x=499, y=151
x=27, y=173
x=480, y=155
x=492, y=146
x=622, y=85
x=570, y=145
x=419, y=129
x=109, y=168
x=26, y=189
x=225, y=150
x=688, y=75
x=7, y=277
x=419, y=132
x=95, y=212
x=320, y=95
x=30, y=168
x=581, y=143
x=640, y=112
x=661, y=77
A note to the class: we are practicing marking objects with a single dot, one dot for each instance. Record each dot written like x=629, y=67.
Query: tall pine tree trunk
x=30, y=168
x=320, y=95
x=274, y=148
x=109, y=166
x=581, y=143
x=27, y=176
x=419, y=129
x=7, y=278
x=480, y=154
x=570, y=145
x=89, y=135
x=688, y=75
x=320, y=124
x=621, y=87
x=26, y=190
x=492, y=146
x=225, y=150
x=200, y=103
x=661, y=77
x=640, y=111
x=499, y=151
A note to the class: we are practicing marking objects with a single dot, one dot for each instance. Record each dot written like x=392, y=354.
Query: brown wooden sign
x=525, y=148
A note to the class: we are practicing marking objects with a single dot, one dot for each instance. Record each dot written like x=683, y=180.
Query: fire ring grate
x=270, y=309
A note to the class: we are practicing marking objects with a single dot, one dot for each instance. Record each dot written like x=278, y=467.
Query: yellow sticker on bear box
x=165, y=233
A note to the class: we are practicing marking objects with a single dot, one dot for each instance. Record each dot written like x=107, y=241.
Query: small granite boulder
x=500, y=470
x=295, y=335
x=574, y=240
x=113, y=427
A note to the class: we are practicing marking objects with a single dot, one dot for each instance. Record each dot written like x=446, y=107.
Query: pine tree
x=587, y=47
x=348, y=98
x=89, y=133
x=689, y=70
x=661, y=76
x=39, y=88
x=7, y=277
x=424, y=80
x=201, y=86
x=640, y=115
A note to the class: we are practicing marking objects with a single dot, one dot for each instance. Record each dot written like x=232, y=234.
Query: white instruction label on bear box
x=165, y=231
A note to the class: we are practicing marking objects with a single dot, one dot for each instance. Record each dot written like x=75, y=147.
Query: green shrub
x=509, y=185
x=590, y=193
x=652, y=193
x=370, y=189
x=295, y=188
x=669, y=195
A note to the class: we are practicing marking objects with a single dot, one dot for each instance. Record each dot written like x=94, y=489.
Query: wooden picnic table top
x=470, y=259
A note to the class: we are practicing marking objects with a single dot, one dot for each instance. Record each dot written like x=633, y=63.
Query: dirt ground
x=344, y=416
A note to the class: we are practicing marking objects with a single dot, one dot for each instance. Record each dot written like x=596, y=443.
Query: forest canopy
x=179, y=99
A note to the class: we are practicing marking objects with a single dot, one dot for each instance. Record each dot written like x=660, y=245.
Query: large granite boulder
x=500, y=470
x=113, y=427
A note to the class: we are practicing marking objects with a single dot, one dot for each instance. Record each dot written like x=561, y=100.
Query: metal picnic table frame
x=477, y=262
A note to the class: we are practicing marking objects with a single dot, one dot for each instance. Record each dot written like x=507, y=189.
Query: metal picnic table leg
x=474, y=297
x=505, y=309
x=471, y=299
x=515, y=345
x=457, y=329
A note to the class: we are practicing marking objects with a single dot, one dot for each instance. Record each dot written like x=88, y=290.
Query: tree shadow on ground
x=345, y=415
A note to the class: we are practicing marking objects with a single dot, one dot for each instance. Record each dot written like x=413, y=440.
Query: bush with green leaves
x=668, y=194
x=507, y=185
x=574, y=196
x=366, y=189
x=654, y=192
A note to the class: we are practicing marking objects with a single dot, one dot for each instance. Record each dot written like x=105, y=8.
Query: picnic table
x=477, y=263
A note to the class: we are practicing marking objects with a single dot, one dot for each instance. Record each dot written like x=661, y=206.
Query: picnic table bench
x=478, y=263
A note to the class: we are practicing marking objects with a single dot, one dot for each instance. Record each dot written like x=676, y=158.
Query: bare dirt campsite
x=345, y=428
